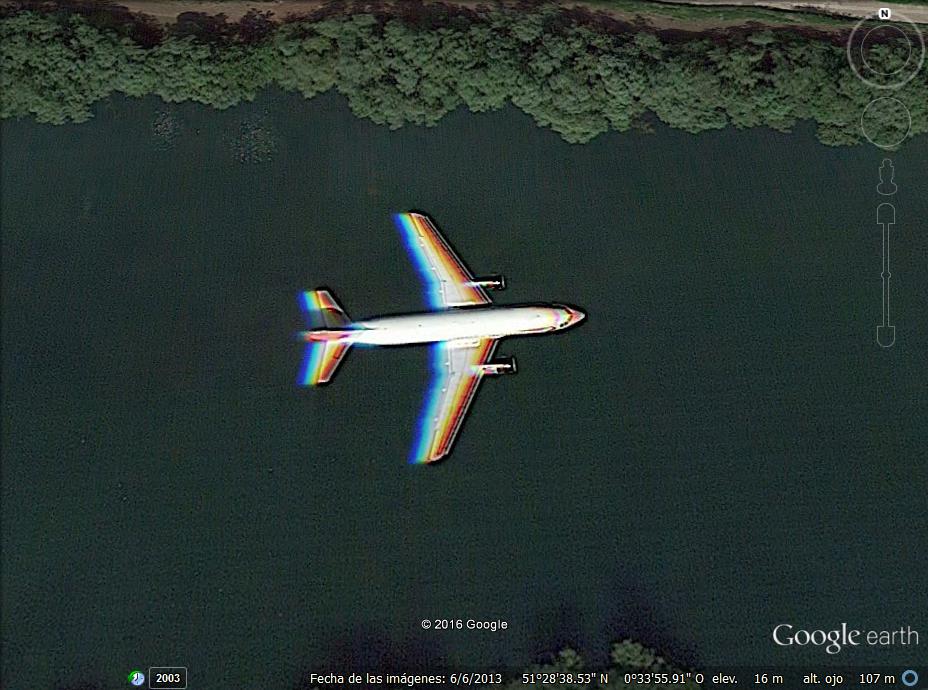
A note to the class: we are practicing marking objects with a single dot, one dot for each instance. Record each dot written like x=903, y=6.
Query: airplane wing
x=456, y=374
x=448, y=281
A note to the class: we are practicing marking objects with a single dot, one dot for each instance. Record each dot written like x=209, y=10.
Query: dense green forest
x=574, y=72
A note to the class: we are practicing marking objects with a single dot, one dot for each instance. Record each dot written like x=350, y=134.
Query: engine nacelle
x=491, y=282
x=500, y=366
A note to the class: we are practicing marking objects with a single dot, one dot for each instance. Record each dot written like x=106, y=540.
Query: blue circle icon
x=909, y=678
x=137, y=678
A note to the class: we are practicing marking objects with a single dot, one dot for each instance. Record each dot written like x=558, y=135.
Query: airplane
x=463, y=327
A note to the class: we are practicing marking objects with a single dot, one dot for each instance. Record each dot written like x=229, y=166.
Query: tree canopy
x=576, y=75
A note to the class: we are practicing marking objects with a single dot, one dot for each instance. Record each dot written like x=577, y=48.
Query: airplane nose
x=576, y=316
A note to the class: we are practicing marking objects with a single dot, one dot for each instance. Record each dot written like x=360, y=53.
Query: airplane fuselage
x=463, y=323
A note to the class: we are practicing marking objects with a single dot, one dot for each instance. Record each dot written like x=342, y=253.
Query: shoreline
x=383, y=57
x=680, y=15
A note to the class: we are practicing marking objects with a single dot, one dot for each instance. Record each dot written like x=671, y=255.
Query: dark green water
x=720, y=448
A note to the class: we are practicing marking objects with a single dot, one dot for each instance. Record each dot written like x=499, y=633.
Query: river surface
x=719, y=448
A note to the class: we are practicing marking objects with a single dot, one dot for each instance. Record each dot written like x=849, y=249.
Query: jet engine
x=491, y=282
x=499, y=366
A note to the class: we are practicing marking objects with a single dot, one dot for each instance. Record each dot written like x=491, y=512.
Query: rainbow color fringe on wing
x=416, y=230
x=428, y=446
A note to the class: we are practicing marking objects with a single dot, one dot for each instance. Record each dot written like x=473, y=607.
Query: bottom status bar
x=791, y=678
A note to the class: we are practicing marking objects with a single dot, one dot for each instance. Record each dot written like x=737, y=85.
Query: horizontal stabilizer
x=322, y=310
x=328, y=339
x=321, y=360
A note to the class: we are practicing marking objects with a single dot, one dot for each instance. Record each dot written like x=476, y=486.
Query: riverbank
x=689, y=15
x=422, y=62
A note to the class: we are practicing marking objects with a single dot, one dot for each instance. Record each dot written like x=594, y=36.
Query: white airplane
x=463, y=326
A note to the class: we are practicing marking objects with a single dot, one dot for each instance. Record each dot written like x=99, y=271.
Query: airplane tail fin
x=327, y=341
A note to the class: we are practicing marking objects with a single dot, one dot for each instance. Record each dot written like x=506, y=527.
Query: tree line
x=574, y=72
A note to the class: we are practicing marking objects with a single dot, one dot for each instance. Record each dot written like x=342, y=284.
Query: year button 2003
x=167, y=678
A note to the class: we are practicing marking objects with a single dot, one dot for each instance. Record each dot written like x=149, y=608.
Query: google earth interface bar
x=714, y=677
